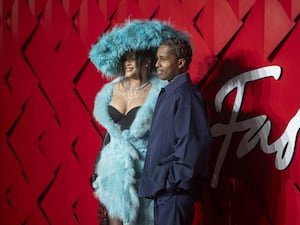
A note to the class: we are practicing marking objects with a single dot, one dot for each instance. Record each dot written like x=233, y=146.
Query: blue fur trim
x=121, y=161
x=133, y=35
x=141, y=123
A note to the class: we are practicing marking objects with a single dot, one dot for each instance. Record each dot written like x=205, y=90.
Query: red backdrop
x=246, y=63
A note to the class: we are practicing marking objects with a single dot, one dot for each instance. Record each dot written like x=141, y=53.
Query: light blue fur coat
x=122, y=159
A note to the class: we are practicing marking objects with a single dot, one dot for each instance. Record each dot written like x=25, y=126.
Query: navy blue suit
x=179, y=146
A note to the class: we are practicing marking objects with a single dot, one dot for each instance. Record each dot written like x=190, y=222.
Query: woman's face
x=130, y=65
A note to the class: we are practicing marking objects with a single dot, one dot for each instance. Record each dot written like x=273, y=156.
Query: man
x=176, y=167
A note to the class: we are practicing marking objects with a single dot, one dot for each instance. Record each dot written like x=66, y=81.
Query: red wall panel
x=246, y=56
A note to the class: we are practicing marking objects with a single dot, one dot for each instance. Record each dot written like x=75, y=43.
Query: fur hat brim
x=133, y=35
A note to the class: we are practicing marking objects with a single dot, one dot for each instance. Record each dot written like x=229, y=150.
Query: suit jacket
x=179, y=142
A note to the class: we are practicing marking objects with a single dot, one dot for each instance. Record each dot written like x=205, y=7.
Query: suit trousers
x=173, y=209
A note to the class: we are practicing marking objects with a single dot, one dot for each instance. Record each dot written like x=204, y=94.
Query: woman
x=124, y=107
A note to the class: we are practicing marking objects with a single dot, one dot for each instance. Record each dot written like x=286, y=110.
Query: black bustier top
x=124, y=120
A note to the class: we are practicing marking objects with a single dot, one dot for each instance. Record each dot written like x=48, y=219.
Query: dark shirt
x=179, y=142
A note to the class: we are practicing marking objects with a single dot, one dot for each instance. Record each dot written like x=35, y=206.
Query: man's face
x=166, y=64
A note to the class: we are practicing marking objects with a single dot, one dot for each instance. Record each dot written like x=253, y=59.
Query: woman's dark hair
x=141, y=56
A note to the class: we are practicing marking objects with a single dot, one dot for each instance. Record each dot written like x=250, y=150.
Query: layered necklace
x=134, y=92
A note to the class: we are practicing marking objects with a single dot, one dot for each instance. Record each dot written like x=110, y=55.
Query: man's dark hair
x=181, y=48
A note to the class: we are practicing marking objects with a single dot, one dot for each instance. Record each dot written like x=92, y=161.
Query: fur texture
x=133, y=35
x=121, y=161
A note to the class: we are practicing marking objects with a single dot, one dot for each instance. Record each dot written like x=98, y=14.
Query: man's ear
x=181, y=63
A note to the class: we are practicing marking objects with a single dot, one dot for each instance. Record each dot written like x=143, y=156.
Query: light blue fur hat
x=133, y=35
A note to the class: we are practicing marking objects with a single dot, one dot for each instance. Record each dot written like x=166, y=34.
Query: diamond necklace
x=135, y=89
x=133, y=93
